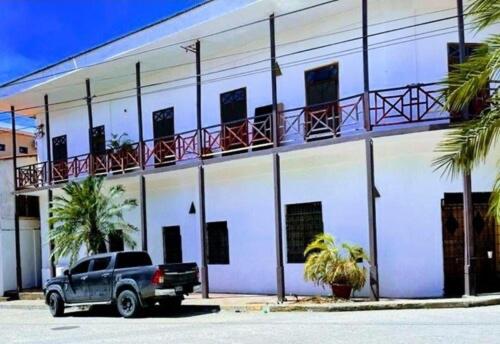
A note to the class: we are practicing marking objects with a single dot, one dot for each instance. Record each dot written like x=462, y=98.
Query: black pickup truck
x=128, y=280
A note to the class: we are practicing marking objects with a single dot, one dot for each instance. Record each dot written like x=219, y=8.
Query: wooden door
x=172, y=244
x=59, y=158
x=233, y=113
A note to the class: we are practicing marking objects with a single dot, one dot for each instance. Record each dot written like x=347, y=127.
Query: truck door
x=100, y=279
x=76, y=290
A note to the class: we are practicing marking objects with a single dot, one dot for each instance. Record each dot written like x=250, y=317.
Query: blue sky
x=35, y=33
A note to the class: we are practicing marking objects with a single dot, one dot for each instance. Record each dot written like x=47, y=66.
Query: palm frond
x=484, y=12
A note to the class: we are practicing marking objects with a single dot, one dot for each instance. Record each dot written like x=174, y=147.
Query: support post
x=201, y=179
x=372, y=220
x=49, y=177
x=91, y=126
x=278, y=228
x=19, y=280
x=370, y=172
x=144, y=224
x=469, y=271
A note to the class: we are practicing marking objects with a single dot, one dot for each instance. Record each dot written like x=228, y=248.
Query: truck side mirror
x=66, y=273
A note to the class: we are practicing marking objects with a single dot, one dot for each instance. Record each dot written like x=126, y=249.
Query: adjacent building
x=254, y=125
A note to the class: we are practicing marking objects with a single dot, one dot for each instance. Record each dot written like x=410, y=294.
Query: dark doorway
x=99, y=148
x=262, y=133
x=60, y=158
x=233, y=114
x=484, y=258
x=481, y=101
x=172, y=244
x=322, y=93
x=164, y=135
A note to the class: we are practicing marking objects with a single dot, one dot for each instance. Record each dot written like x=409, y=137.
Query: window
x=172, y=244
x=2, y=147
x=28, y=206
x=81, y=268
x=303, y=222
x=478, y=104
x=23, y=150
x=218, y=243
x=116, y=243
x=132, y=259
x=101, y=264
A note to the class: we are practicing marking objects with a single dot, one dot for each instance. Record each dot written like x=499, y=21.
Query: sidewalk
x=263, y=303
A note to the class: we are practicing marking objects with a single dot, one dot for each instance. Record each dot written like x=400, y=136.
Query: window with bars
x=303, y=222
x=218, y=242
x=28, y=206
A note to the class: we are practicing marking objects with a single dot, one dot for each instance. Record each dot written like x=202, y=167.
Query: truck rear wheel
x=56, y=304
x=127, y=304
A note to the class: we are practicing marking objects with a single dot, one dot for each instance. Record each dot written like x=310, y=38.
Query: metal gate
x=483, y=260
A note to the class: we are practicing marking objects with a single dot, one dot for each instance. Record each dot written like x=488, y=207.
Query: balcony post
x=469, y=270
x=278, y=228
x=47, y=140
x=19, y=280
x=366, y=70
x=91, y=127
x=49, y=177
x=201, y=179
x=139, y=113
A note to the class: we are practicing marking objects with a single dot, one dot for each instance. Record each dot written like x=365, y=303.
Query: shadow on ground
x=154, y=312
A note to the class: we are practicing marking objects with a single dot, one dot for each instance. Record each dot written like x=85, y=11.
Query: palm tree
x=86, y=216
x=468, y=145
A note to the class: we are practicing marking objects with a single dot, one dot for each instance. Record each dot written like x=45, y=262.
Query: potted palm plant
x=342, y=268
x=119, y=146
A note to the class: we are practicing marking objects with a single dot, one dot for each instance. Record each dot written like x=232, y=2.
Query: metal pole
x=91, y=126
x=469, y=272
x=278, y=228
x=201, y=180
x=19, y=280
x=49, y=177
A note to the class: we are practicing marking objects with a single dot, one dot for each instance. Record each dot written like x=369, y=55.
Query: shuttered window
x=218, y=243
x=303, y=222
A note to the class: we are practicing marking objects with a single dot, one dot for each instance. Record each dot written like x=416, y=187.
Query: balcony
x=402, y=106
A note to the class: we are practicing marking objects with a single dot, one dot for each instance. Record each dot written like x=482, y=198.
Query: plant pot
x=342, y=291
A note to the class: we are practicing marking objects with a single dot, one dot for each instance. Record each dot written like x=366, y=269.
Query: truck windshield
x=132, y=259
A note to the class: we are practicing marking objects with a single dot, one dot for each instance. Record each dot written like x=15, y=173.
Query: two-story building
x=256, y=124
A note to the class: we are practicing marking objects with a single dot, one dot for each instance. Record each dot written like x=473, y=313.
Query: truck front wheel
x=56, y=304
x=128, y=304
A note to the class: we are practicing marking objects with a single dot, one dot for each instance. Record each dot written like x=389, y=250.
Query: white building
x=320, y=158
x=28, y=211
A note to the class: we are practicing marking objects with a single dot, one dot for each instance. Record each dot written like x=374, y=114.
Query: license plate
x=179, y=289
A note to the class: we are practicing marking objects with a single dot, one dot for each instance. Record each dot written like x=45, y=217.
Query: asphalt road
x=191, y=325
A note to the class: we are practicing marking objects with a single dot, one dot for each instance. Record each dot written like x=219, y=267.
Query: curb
x=343, y=307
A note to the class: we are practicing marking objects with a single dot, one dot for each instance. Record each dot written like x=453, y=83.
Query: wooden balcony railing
x=394, y=106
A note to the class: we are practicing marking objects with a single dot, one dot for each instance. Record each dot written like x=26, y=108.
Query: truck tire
x=127, y=304
x=56, y=304
x=171, y=303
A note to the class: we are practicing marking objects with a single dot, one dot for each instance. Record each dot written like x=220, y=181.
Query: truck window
x=100, y=264
x=81, y=268
x=132, y=259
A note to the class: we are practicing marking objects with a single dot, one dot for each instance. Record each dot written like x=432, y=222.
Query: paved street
x=191, y=325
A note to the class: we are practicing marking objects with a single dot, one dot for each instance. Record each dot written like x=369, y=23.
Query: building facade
x=255, y=125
